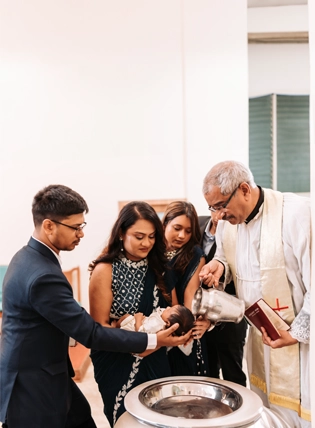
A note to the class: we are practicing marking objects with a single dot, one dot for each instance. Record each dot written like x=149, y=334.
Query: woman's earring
x=122, y=245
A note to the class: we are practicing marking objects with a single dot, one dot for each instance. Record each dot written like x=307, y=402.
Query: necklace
x=171, y=254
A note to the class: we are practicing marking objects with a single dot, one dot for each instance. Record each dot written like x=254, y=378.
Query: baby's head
x=181, y=315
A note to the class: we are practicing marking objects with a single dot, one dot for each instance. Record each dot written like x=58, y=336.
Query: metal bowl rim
x=249, y=412
x=238, y=399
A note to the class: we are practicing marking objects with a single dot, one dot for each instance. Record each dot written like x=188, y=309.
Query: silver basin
x=152, y=404
x=191, y=399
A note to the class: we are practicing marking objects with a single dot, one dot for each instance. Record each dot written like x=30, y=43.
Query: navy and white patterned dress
x=134, y=290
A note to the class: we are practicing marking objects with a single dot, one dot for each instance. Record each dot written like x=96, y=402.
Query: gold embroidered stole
x=284, y=377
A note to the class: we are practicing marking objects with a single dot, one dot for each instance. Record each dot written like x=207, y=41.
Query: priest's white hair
x=227, y=176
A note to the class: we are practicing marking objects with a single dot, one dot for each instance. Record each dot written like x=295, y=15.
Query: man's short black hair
x=58, y=202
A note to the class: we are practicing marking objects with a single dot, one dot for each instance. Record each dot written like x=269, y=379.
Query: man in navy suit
x=39, y=316
x=225, y=343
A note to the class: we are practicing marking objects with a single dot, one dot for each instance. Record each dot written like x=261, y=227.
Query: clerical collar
x=258, y=205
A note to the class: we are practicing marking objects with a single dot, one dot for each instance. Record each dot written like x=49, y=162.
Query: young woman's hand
x=201, y=326
x=139, y=317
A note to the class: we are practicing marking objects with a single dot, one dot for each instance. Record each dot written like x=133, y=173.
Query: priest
x=264, y=245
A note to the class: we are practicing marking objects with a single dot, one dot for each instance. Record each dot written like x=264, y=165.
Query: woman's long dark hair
x=176, y=209
x=127, y=217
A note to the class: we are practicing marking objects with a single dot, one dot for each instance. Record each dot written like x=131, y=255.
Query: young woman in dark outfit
x=127, y=277
x=185, y=260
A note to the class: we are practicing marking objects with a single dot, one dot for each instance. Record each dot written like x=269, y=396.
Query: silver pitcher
x=217, y=306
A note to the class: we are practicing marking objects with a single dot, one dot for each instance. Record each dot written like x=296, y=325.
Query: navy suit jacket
x=203, y=221
x=39, y=316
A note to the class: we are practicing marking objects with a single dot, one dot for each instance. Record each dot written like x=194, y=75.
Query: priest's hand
x=285, y=340
x=211, y=273
x=166, y=337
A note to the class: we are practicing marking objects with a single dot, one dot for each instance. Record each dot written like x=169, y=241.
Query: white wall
x=278, y=68
x=278, y=19
x=119, y=100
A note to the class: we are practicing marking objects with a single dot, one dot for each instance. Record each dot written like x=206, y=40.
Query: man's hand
x=211, y=273
x=285, y=340
x=166, y=338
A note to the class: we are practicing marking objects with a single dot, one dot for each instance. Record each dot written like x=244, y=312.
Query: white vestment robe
x=296, y=240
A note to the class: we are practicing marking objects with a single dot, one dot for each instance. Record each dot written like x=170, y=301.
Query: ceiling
x=271, y=3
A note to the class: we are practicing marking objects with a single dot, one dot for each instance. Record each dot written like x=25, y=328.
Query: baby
x=158, y=320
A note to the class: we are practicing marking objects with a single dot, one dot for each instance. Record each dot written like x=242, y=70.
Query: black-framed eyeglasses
x=77, y=229
x=221, y=207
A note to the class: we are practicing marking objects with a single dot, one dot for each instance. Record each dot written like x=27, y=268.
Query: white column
x=311, y=14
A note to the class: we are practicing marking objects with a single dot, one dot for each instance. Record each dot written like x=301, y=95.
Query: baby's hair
x=184, y=317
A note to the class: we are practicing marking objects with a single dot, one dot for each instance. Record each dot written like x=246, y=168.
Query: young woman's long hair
x=127, y=217
x=176, y=209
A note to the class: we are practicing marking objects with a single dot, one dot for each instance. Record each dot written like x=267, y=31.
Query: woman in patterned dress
x=186, y=258
x=127, y=277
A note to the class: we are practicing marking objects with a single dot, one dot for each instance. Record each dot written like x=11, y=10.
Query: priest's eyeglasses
x=76, y=228
x=221, y=207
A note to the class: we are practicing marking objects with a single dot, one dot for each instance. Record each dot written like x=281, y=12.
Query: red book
x=260, y=314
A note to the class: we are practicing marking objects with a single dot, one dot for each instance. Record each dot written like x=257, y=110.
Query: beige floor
x=89, y=388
